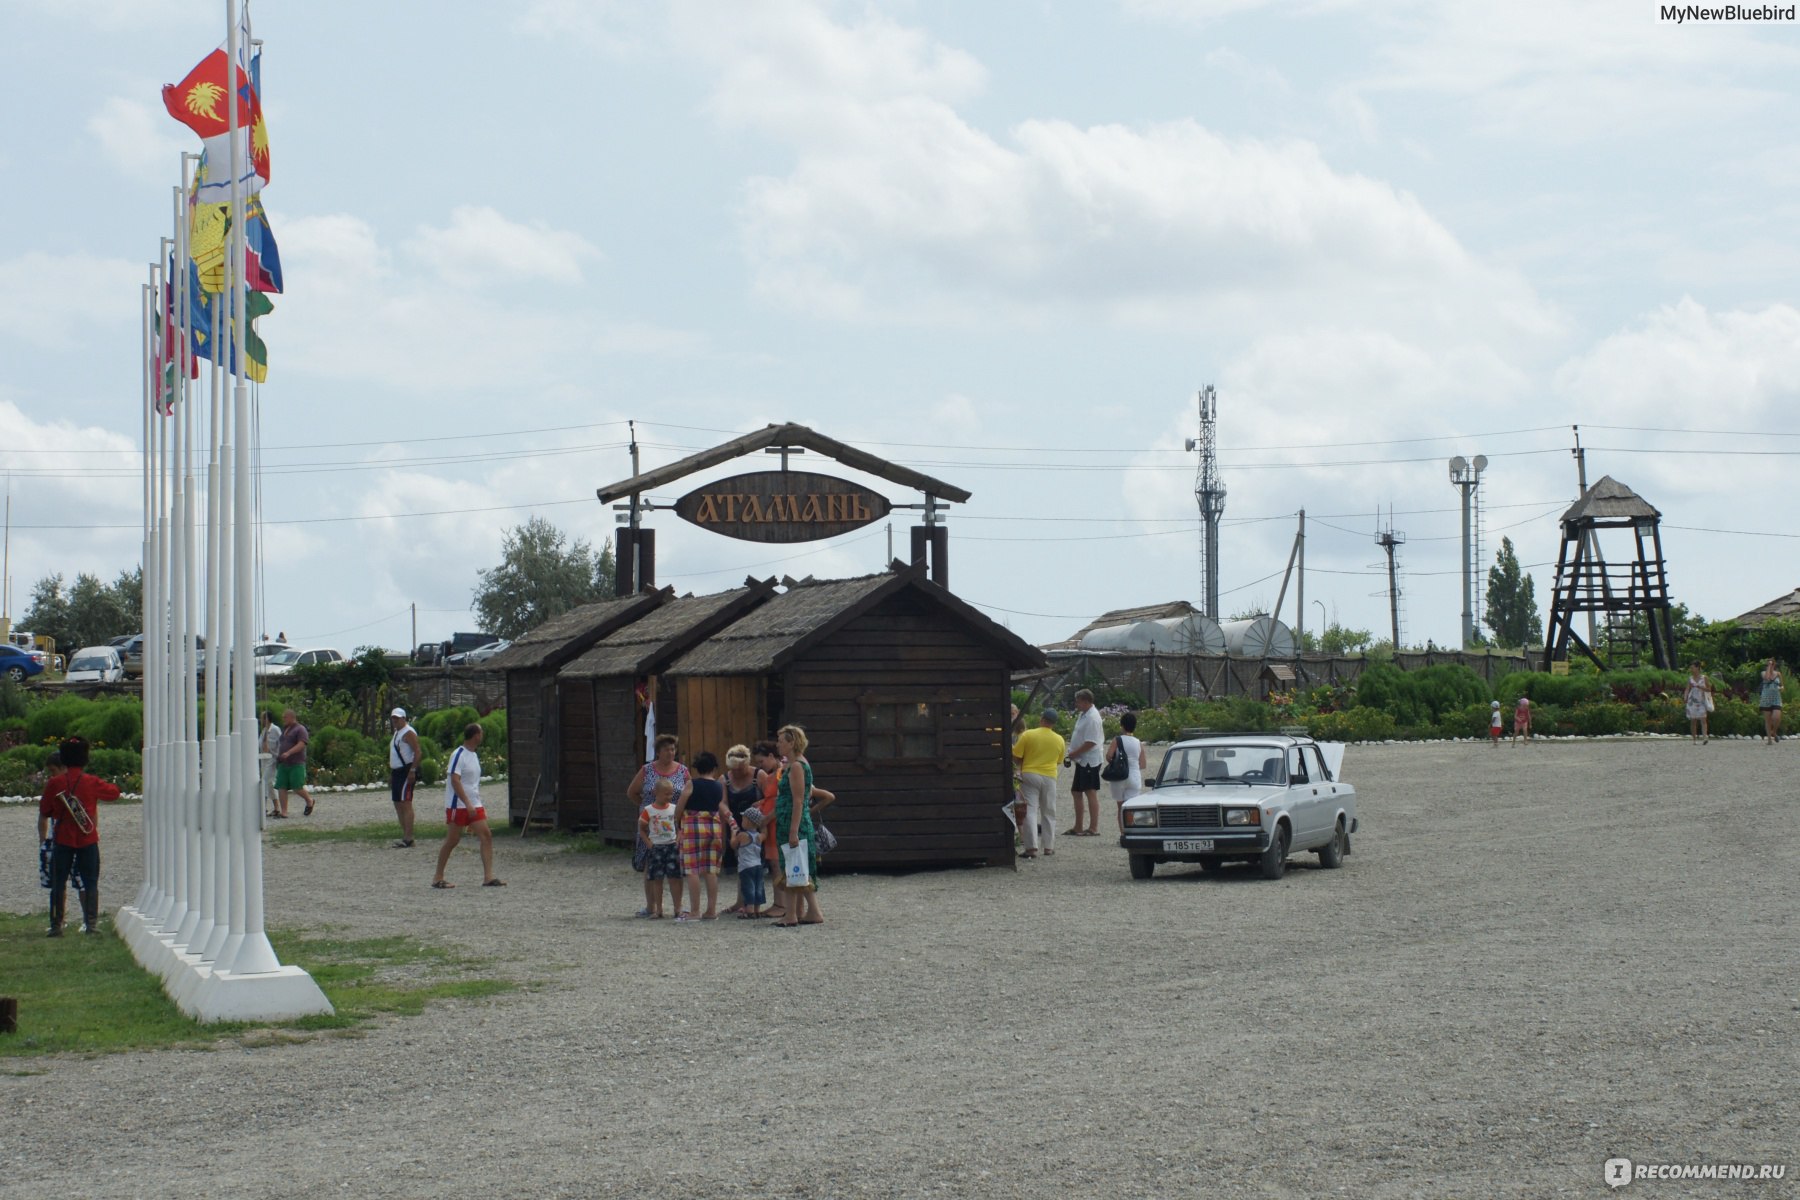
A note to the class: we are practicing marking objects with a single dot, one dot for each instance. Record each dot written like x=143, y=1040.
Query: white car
x=1242, y=797
x=285, y=660
x=95, y=664
x=481, y=653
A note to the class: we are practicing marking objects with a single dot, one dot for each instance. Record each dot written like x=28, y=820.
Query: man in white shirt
x=463, y=810
x=403, y=773
x=1084, y=753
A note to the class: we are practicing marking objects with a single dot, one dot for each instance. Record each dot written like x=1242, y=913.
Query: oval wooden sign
x=781, y=506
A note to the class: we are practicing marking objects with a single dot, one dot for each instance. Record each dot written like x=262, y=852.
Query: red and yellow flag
x=200, y=102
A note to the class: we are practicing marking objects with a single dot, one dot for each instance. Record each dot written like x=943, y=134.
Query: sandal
x=439, y=883
x=493, y=883
x=308, y=811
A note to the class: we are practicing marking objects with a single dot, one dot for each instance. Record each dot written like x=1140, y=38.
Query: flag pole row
x=198, y=917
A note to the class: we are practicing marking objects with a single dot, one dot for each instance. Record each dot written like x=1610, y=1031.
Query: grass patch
x=81, y=994
x=380, y=833
x=579, y=843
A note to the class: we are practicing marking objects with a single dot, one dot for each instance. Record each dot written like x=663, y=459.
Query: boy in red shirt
x=70, y=805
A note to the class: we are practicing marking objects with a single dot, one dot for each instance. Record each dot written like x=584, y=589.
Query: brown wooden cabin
x=530, y=665
x=904, y=693
x=600, y=728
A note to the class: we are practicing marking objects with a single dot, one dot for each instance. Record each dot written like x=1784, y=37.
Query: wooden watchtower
x=1587, y=583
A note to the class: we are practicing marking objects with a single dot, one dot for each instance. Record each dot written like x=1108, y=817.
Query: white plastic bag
x=794, y=865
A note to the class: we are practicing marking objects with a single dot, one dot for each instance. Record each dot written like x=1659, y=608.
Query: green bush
x=1420, y=698
x=15, y=701
x=333, y=749
x=493, y=735
x=32, y=757
x=1732, y=717
x=18, y=778
x=115, y=765
x=1563, y=691
x=56, y=720
x=1358, y=724
x=445, y=726
x=1605, y=716
x=113, y=723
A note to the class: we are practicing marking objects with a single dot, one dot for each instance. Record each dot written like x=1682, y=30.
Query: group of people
x=1037, y=753
x=754, y=814
x=1698, y=703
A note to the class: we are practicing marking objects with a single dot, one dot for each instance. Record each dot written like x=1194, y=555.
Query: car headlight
x=1243, y=816
x=1138, y=818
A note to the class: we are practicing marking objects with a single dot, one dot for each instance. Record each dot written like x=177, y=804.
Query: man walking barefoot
x=463, y=810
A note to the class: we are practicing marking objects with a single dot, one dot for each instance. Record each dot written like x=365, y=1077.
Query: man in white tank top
x=403, y=773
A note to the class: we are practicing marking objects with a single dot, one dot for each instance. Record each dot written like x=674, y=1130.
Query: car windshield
x=92, y=662
x=1223, y=765
x=285, y=657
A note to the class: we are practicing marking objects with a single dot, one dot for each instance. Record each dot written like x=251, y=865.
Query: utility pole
x=1387, y=539
x=1467, y=475
x=1209, y=493
x=415, y=628
x=1297, y=554
x=1591, y=547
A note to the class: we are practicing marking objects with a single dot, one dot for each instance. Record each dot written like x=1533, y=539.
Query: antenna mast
x=1387, y=539
x=1209, y=493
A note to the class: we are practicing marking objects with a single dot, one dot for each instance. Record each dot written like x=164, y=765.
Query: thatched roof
x=641, y=647
x=1782, y=607
x=1126, y=616
x=1610, y=501
x=568, y=635
x=811, y=610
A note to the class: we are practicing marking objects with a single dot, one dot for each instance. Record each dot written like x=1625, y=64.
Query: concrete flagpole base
x=205, y=994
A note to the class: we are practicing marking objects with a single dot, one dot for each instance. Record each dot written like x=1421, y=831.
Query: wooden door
x=719, y=712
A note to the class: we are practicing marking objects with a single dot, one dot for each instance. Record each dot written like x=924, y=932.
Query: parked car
x=19, y=665
x=428, y=654
x=95, y=664
x=283, y=661
x=462, y=643
x=132, y=654
x=478, y=655
x=1248, y=797
x=258, y=653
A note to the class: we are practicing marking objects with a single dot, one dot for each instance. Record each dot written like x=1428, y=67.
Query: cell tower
x=1209, y=493
x=1465, y=476
x=1389, y=540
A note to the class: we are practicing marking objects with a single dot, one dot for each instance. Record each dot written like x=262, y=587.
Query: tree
x=49, y=611
x=538, y=578
x=1339, y=640
x=96, y=613
x=129, y=588
x=1511, y=601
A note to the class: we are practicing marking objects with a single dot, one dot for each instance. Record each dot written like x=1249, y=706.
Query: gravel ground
x=1537, y=959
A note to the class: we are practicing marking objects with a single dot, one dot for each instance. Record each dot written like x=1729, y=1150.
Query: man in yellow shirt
x=1039, y=753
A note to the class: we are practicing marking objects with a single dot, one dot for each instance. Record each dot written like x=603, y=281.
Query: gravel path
x=1537, y=959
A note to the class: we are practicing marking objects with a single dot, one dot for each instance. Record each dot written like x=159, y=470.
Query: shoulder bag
x=1118, y=767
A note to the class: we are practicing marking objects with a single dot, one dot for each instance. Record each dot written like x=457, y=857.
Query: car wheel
x=16, y=674
x=1142, y=866
x=1274, y=860
x=1212, y=866
x=1331, y=854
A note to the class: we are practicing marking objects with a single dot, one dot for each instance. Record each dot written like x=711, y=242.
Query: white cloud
x=616, y=28
x=56, y=300
x=70, y=485
x=482, y=246
x=361, y=315
x=138, y=139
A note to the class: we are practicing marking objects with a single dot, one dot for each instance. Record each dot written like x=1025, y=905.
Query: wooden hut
x=530, y=665
x=601, y=705
x=903, y=690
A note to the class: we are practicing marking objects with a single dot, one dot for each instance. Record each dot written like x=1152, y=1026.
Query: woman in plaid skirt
x=706, y=826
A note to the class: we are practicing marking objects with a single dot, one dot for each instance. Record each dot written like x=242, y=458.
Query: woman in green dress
x=793, y=822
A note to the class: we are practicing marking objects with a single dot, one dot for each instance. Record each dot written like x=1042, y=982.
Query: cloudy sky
x=1002, y=243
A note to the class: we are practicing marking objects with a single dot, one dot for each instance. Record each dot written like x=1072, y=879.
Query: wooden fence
x=1157, y=678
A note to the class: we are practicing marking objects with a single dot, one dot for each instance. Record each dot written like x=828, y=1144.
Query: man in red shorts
x=463, y=810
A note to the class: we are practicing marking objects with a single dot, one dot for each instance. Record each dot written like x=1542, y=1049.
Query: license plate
x=1191, y=846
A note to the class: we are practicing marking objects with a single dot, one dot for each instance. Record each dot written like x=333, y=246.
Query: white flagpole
x=255, y=955
x=180, y=640
x=168, y=913
x=197, y=925
x=214, y=783
x=146, y=887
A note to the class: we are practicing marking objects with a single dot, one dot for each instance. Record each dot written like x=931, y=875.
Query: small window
x=1297, y=766
x=900, y=731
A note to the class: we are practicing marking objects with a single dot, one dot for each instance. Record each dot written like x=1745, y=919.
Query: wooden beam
x=783, y=435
